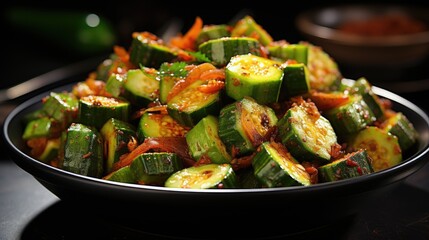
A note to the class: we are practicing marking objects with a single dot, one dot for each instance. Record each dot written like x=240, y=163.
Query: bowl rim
x=39, y=169
x=307, y=26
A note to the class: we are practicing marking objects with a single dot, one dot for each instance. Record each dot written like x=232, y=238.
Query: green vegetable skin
x=239, y=121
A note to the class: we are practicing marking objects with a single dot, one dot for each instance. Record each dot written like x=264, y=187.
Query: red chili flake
x=351, y=163
x=87, y=155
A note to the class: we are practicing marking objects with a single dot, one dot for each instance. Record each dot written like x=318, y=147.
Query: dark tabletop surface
x=30, y=211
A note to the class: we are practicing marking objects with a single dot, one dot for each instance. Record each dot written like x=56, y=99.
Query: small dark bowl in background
x=321, y=27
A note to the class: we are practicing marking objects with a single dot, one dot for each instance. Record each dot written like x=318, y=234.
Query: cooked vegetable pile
x=221, y=106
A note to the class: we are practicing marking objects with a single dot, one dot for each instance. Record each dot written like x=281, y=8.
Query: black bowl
x=246, y=213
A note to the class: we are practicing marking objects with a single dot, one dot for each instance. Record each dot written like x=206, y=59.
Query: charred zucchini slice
x=154, y=124
x=244, y=124
x=353, y=164
x=274, y=166
x=382, y=147
x=206, y=176
x=306, y=133
x=253, y=76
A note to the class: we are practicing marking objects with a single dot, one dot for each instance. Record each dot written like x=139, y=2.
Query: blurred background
x=40, y=37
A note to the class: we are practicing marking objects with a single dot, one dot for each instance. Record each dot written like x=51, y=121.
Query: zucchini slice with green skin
x=83, y=151
x=364, y=88
x=123, y=174
x=51, y=150
x=140, y=88
x=62, y=106
x=190, y=105
x=203, y=141
x=246, y=178
x=248, y=27
x=244, y=124
x=42, y=127
x=284, y=51
x=353, y=164
x=324, y=71
x=399, y=125
x=382, y=147
x=149, y=51
x=221, y=50
x=116, y=136
x=205, y=176
x=254, y=76
x=96, y=110
x=153, y=124
x=209, y=32
x=274, y=166
x=153, y=168
x=351, y=117
x=115, y=84
x=296, y=80
x=308, y=135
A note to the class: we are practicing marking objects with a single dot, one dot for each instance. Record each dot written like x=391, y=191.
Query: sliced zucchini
x=247, y=27
x=399, y=125
x=209, y=32
x=153, y=168
x=203, y=141
x=296, y=80
x=221, y=50
x=149, y=51
x=382, y=147
x=83, y=151
x=351, y=117
x=190, y=105
x=115, y=83
x=51, y=150
x=306, y=134
x=96, y=110
x=62, y=106
x=324, y=71
x=42, y=127
x=123, y=174
x=364, y=88
x=244, y=124
x=205, y=176
x=274, y=166
x=116, y=136
x=253, y=76
x=284, y=51
x=140, y=88
x=155, y=124
x=353, y=164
